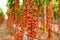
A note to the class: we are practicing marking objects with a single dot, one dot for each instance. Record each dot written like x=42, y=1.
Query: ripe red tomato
x=35, y=14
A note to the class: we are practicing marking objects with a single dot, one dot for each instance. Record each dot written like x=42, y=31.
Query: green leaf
x=10, y=3
x=1, y=12
x=7, y=12
x=56, y=6
x=8, y=33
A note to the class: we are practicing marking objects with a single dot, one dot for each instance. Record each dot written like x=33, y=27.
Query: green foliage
x=21, y=8
x=1, y=12
x=10, y=3
x=7, y=33
x=7, y=12
x=47, y=3
x=44, y=2
x=56, y=6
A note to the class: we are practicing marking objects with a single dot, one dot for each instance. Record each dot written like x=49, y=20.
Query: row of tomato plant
x=26, y=16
